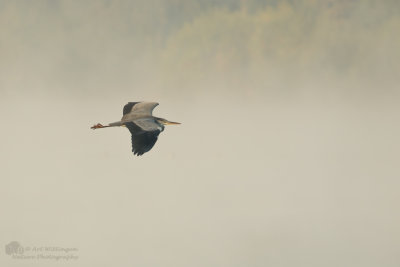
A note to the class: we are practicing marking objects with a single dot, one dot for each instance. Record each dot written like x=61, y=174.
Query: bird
x=144, y=127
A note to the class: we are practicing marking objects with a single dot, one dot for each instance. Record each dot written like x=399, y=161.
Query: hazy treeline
x=96, y=44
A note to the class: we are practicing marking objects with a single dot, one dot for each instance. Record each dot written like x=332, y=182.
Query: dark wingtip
x=128, y=107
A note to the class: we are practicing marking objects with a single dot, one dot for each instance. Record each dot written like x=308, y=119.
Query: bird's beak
x=171, y=123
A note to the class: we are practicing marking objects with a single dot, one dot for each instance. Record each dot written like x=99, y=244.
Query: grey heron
x=144, y=127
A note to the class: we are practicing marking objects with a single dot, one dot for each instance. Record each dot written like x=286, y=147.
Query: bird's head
x=166, y=122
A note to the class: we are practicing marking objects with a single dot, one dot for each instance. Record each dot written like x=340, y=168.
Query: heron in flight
x=144, y=127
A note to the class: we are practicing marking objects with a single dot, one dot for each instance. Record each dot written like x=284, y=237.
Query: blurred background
x=287, y=154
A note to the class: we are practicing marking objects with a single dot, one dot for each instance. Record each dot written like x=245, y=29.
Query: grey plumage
x=144, y=127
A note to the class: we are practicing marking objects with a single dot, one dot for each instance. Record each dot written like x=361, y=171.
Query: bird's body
x=144, y=127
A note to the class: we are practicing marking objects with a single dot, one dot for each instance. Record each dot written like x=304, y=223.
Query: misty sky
x=287, y=154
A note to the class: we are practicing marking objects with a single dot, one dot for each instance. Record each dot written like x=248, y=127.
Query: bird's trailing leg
x=97, y=126
x=113, y=124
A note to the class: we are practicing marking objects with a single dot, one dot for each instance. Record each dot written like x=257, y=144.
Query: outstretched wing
x=128, y=107
x=142, y=140
x=134, y=110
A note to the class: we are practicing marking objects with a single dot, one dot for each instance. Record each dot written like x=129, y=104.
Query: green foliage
x=296, y=37
x=192, y=41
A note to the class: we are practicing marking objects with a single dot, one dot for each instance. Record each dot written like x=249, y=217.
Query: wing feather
x=142, y=140
x=128, y=107
x=135, y=110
